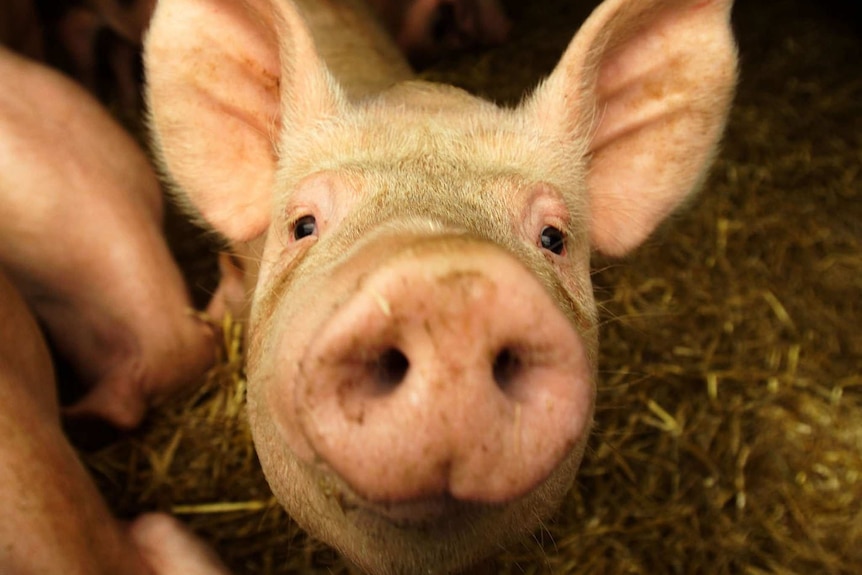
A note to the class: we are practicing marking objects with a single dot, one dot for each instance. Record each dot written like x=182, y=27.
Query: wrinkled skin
x=422, y=331
x=81, y=253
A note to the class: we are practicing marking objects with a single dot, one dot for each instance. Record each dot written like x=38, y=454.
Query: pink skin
x=54, y=520
x=422, y=332
x=486, y=447
x=47, y=496
x=168, y=548
x=461, y=345
x=81, y=250
x=447, y=324
x=82, y=239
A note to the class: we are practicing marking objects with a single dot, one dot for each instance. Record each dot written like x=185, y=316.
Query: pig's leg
x=80, y=236
x=54, y=520
x=170, y=549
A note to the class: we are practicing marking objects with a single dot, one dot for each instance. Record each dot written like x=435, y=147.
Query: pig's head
x=422, y=335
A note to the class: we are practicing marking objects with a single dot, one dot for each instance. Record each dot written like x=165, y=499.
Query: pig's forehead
x=446, y=126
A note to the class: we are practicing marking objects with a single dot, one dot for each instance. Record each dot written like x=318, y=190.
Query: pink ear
x=223, y=77
x=653, y=80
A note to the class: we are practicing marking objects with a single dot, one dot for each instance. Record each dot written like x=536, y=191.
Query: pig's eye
x=553, y=240
x=304, y=227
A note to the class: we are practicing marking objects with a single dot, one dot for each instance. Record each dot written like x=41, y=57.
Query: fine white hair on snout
x=382, y=302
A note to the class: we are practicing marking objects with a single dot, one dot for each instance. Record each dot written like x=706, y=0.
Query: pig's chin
x=431, y=535
x=424, y=515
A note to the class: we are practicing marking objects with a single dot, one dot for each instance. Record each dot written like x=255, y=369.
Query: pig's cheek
x=280, y=253
x=574, y=273
x=282, y=374
x=287, y=402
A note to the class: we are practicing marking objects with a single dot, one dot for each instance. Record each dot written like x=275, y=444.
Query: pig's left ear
x=224, y=77
x=651, y=81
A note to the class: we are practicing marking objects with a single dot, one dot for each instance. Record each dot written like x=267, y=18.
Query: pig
x=84, y=265
x=54, y=520
x=422, y=334
x=109, y=294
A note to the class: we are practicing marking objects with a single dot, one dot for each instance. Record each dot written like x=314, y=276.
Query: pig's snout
x=446, y=375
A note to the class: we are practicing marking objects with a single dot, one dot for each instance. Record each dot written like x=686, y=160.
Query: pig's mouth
x=434, y=534
x=425, y=514
x=421, y=514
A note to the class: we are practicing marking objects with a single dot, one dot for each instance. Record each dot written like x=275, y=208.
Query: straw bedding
x=729, y=422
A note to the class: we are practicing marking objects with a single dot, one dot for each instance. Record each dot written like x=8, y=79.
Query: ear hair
x=651, y=81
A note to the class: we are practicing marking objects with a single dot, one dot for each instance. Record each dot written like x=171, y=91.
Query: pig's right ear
x=223, y=78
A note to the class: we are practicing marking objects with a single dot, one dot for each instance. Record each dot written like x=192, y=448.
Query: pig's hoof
x=169, y=548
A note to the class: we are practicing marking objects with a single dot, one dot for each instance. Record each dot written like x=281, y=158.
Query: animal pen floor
x=729, y=421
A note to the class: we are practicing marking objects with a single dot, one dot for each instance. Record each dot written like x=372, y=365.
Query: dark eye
x=304, y=227
x=553, y=240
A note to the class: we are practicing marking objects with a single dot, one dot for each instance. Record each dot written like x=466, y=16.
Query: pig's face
x=394, y=293
x=422, y=339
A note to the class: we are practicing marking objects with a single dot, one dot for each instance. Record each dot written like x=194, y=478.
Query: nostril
x=507, y=365
x=391, y=368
